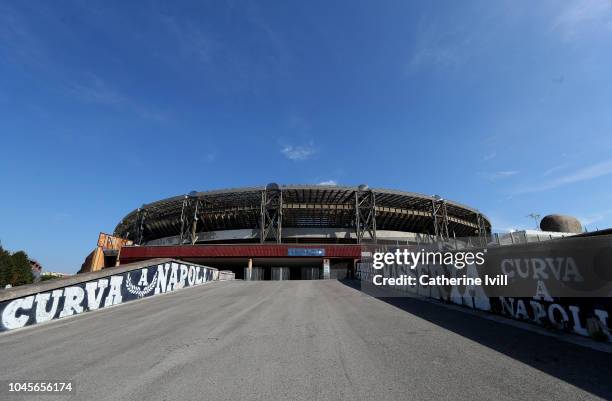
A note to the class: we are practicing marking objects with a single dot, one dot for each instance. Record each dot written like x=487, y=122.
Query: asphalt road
x=298, y=340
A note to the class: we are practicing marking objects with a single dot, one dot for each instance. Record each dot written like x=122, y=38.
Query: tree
x=22, y=269
x=6, y=267
x=15, y=269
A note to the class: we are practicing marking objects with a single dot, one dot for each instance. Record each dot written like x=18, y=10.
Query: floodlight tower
x=536, y=217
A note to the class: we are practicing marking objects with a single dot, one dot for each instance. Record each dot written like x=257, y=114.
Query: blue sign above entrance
x=306, y=252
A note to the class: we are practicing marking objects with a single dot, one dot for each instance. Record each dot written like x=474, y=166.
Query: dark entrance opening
x=278, y=269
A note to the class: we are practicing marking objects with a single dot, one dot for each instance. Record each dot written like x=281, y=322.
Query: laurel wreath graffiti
x=133, y=289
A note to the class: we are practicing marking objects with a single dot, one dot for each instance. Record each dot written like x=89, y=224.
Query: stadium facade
x=295, y=228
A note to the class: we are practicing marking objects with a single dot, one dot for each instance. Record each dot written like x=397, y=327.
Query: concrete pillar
x=280, y=273
x=253, y=273
x=326, y=269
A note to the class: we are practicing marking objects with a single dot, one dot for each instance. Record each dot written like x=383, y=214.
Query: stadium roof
x=303, y=206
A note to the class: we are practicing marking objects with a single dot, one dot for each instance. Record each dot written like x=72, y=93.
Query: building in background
x=36, y=270
x=54, y=275
x=106, y=253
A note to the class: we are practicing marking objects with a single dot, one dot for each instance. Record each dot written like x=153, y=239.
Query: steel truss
x=439, y=214
x=189, y=219
x=365, y=214
x=139, y=225
x=271, y=214
x=482, y=229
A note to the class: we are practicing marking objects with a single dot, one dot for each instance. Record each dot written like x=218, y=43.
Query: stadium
x=290, y=231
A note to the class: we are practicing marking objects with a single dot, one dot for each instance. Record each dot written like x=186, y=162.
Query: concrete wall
x=539, y=274
x=225, y=275
x=38, y=303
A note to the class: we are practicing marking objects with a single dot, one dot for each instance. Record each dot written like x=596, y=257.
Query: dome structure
x=561, y=223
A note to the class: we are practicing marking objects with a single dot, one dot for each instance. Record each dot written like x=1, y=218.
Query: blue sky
x=504, y=106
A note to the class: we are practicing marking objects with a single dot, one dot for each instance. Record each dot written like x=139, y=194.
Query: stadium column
x=365, y=213
x=439, y=216
x=326, y=269
x=271, y=213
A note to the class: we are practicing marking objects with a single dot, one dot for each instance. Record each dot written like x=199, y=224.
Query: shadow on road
x=582, y=367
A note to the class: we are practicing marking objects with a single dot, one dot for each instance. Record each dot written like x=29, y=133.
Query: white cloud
x=593, y=218
x=97, y=91
x=584, y=174
x=489, y=156
x=297, y=153
x=328, y=182
x=554, y=169
x=500, y=175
